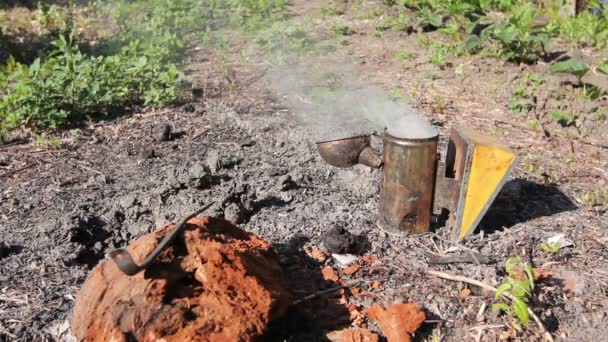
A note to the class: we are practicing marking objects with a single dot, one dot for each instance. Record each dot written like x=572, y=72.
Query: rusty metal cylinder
x=406, y=197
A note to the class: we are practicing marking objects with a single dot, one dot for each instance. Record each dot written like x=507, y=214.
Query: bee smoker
x=475, y=169
x=406, y=197
x=408, y=184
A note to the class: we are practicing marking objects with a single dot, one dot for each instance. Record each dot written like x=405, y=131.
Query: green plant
x=596, y=198
x=530, y=162
x=284, y=38
x=517, y=38
x=572, y=66
x=402, y=23
x=404, y=54
x=385, y=23
x=430, y=19
x=398, y=96
x=46, y=142
x=552, y=248
x=584, y=29
x=439, y=56
x=592, y=92
x=344, y=30
x=563, y=118
x=603, y=68
x=333, y=9
x=519, y=290
x=70, y=86
x=521, y=99
x=498, y=130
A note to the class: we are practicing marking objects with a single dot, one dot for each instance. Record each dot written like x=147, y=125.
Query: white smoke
x=332, y=103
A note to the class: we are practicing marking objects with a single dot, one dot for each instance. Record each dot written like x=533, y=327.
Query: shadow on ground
x=521, y=200
x=311, y=319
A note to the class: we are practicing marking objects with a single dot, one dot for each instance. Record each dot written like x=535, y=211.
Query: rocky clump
x=216, y=282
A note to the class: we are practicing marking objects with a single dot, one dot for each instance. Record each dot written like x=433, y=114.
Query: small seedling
x=571, y=66
x=440, y=55
x=333, y=9
x=430, y=19
x=552, y=248
x=398, y=96
x=592, y=92
x=520, y=291
x=385, y=23
x=563, y=118
x=603, y=68
x=46, y=142
x=344, y=30
x=498, y=130
x=596, y=198
x=521, y=100
x=403, y=54
x=402, y=23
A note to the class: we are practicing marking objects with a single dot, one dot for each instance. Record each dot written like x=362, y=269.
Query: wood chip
x=352, y=269
x=329, y=274
x=465, y=293
x=316, y=254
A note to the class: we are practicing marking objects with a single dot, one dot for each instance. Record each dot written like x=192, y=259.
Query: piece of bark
x=353, y=335
x=398, y=322
x=216, y=282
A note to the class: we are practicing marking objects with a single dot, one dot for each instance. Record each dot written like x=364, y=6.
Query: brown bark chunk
x=216, y=282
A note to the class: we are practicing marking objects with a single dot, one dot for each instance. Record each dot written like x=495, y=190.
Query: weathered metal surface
x=406, y=197
x=488, y=165
x=349, y=152
x=127, y=265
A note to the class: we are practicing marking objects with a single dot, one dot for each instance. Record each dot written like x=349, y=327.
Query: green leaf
x=530, y=273
x=511, y=263
x=521, y=310
x=501, y=289
x=473, y=42
x=521, y=289
x=501, y=306
x=603, y=68
x=572, y=66
x=516, y=326
x=563, y=118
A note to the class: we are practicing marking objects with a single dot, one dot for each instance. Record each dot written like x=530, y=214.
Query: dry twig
x=8, y=173
x=326, y=291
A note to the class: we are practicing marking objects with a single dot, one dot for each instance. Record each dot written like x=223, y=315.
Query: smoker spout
x=370, y=158
x=349, y=152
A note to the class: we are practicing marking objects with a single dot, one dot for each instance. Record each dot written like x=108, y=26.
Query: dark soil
x=239, y=147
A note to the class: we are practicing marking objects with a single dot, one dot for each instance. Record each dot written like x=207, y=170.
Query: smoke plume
x=332, y=103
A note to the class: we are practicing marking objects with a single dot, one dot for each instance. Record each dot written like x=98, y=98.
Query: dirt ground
x=239, y=146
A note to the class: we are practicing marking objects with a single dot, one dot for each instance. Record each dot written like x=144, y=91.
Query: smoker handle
x=123, y=260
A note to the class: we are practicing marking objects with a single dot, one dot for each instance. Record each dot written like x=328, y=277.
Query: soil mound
x=216, y=282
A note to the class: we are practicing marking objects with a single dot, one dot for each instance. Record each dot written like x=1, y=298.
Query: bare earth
x=239, y=145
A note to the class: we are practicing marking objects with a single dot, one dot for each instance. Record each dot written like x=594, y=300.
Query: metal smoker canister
x=406, y=197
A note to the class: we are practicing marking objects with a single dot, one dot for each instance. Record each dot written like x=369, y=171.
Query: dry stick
x=326, y=291
x=8, y=173
x=86, y=167
x=487, y=326
x=604, y=173
x=471, y=252
x=471, y=281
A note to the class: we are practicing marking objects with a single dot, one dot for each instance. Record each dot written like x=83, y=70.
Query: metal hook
x=127, y=265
